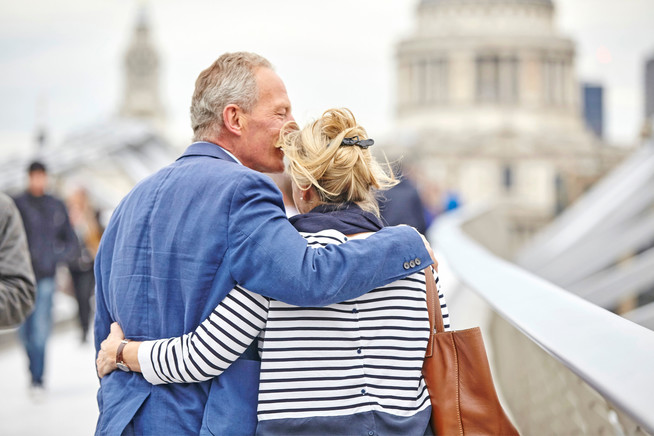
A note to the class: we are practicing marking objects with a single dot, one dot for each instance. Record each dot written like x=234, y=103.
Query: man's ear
x=234, y=119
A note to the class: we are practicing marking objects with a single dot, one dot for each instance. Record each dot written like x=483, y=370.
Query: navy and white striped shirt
x=342, y=366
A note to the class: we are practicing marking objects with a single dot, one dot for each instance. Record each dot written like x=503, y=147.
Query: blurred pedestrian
x=17, y=286
x=402, y=205
x=84, y=219
x=451, y=201
x=50, y=239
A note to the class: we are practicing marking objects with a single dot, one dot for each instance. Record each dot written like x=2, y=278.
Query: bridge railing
x=562, y=364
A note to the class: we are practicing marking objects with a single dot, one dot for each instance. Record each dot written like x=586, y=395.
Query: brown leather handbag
x=458, y=377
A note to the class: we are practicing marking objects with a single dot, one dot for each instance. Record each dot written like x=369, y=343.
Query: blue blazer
x=177, y=244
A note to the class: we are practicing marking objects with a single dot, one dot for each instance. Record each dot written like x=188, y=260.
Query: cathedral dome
x=485, y=17
x=491, y=66
x=546, y=2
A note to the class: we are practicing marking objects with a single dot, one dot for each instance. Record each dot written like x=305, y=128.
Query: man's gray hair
x=229, y=80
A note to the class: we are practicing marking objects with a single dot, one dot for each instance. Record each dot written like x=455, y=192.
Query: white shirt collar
x=233, y=157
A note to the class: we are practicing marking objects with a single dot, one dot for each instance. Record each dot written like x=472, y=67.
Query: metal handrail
x=611, y=354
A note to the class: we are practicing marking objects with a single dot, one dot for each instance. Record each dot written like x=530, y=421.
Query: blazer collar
x=203, y=148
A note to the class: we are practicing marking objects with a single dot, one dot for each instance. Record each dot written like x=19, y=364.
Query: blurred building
x=649, y=88
x=141, y=97
x=108, y=158
x=593, y=111
x=488, y=107
x=649, y=97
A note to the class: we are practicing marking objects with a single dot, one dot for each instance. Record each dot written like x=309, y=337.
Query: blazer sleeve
x=17, y=283
x=268, y=256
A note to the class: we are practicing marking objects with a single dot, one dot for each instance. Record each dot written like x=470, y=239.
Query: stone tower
x=141, y=92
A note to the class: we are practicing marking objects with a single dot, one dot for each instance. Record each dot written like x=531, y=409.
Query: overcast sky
x=60, y=61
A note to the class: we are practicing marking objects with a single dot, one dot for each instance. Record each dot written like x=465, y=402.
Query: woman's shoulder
x=332, y=236
x=324, y=237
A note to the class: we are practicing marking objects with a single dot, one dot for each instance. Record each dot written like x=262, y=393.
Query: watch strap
x=120, y=362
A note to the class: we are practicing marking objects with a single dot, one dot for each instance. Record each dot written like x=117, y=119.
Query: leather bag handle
x=433, y=309
x=433, y=303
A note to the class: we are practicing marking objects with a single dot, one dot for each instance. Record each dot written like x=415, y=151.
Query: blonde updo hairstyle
x=339, y=173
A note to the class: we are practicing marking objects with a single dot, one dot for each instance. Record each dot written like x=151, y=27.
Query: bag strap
x=433, y=303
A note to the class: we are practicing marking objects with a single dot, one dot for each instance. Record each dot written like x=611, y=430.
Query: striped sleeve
x=441, y=298
x=208, y=350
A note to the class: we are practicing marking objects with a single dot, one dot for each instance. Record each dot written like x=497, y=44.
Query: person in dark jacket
x=17, y=286
x=51, y=239
x=402, y=205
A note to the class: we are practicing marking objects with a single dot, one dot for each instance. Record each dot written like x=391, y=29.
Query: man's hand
x=429, y=250
x=106, y=361
x=427, y=246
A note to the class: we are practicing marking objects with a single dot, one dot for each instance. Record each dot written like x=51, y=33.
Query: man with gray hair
x=184, y=237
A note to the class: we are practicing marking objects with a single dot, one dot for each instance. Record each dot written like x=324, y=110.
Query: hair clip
x=363, y=143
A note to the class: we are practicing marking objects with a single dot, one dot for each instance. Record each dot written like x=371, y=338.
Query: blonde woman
x=347, y=368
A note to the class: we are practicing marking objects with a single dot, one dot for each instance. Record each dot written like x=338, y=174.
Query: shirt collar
x=203, y=148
